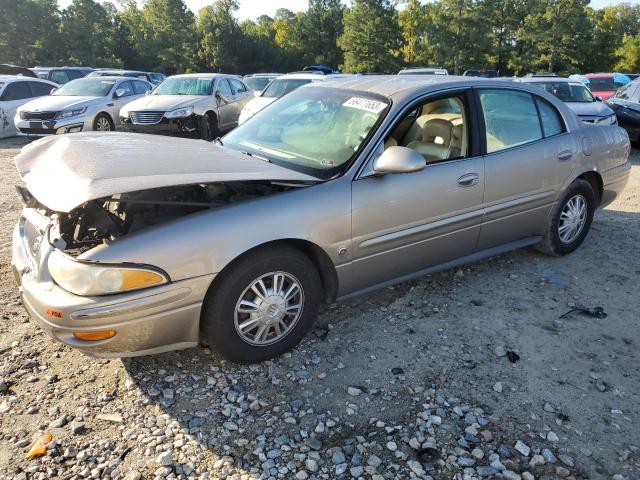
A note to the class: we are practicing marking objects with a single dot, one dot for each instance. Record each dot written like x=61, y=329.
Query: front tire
x=263, y=305
x=570, y=220
x=208, y=128
x=103, y=123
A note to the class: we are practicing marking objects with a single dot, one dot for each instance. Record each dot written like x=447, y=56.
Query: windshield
x=567, y=92
x=257, y=83
x=185, y=86
x=312, y=130
x=85, y=87
x=603, y=84
x=43, y=75
x=279, y=88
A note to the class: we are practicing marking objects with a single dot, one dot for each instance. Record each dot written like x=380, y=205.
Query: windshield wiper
x=256, y=156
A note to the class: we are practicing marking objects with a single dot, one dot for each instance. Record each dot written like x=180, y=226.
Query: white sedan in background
x=15, y=90
x=280, y=87
x=90, y=103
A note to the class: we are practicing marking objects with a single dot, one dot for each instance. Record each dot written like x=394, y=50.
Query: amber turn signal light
x=94, y=336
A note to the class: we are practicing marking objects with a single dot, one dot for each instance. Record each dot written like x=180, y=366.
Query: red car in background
x=604, y=84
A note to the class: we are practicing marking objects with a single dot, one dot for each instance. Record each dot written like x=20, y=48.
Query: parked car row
x=340, y=187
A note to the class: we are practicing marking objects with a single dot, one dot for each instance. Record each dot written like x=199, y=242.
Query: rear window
x=278, y=88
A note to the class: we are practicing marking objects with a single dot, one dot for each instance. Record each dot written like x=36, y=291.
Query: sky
x=254, y=8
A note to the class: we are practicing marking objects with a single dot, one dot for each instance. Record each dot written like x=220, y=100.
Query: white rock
x=523, y=448
x=497, y=387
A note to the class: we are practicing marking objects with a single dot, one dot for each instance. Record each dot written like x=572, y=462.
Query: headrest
x=437, y=131
x=456, y=132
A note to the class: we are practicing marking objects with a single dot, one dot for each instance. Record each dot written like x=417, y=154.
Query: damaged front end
x=105, y=220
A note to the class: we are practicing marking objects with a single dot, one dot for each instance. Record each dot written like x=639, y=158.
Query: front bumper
x=147, y=321
x=187, y=126
x=43, y=128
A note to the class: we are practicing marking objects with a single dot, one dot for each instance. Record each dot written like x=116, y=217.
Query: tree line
x=373, y=36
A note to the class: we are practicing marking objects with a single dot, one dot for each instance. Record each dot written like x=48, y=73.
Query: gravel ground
x=463, y=374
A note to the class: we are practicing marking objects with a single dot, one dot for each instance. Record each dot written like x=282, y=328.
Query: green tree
x=321, y=28
x=629, y=54
x=220, y=37
x=169, y=35
x=413, y=25
x=372, y=40
x=503, y=20
x=556, y=35
x=88, y=34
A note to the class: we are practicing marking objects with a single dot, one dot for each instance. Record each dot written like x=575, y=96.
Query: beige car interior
x=437, y=130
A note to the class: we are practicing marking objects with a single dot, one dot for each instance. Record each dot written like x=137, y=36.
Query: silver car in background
x=146, y=244
x=90, y=103
x=577, y=97
x=200, y=105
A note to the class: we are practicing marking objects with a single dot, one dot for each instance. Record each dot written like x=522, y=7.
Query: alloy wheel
x=572, y=219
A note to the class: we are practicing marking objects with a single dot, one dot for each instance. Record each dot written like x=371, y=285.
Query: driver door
x=404, y=223
x=117, y=103
x=225, y=101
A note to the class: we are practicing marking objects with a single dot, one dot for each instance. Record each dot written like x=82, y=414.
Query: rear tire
x=250, y=314
x=570, y=220
x=103, y=123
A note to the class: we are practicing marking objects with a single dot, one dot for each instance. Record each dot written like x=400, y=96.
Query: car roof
x=549, y=79
x=407, y=86
x=208, y=76
x=263, y=75
x=13, y=78
x=599, y=75
x=423, y=69
x=313, y=76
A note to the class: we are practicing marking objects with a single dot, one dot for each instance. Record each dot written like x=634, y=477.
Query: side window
x=626, y=92
x=59, y=76
x=552, y=123
x=16, y=91
x=635, y=96
x=126, y=86
x=510, y=118
x=39, y=89
x=140, y=87
x=238, y=86
x=437, y=129
x=74, y=74
x=224, y=89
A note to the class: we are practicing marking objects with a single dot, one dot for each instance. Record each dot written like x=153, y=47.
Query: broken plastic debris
x=40, y=447
x=428, y=454
x=512, y=356
x=595, y=312
x=397, y=371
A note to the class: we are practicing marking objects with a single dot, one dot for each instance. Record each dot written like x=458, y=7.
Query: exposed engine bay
x=107, y=219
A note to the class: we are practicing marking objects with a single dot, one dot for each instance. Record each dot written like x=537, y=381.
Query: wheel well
x=595, y=180
x=104, y=114
x=317, y=255
x=211, y=115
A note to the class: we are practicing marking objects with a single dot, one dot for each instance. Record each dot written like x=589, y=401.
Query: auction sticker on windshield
x=366, y=104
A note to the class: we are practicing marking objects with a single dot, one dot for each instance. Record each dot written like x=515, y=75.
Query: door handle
x=564, y=156
x=468, y=180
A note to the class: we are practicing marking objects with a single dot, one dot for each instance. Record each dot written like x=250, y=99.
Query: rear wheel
x=263, y=305
x=103, y=123
x=570, y=220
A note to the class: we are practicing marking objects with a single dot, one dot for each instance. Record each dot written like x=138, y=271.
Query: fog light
x=94, y=336
x=75, y=129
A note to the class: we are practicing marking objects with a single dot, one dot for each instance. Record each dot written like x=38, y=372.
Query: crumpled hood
x=595, y=109
x=53, y=103
x=63, y=172
x=163, y=103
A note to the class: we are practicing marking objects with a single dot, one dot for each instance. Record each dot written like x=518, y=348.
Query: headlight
x=90, y=279
x=179, y=112
x=609, y=120
x=71, y=113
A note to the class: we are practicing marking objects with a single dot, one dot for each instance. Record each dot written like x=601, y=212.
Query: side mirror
x=119, y=93
x=598, y=98
x=399, y=160
x=53, y=90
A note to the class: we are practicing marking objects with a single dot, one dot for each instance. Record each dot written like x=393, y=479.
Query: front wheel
x=570, y=220
x=103, y=123
x=208, y=128
x=263, y=305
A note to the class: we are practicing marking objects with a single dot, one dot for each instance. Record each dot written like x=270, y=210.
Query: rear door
x=528, y=158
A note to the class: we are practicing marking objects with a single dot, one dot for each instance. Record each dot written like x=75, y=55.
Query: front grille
x=145, y=118
x=38, y=131
x=38, y=115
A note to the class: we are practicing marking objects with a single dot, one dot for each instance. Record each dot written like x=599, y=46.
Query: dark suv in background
x=61, y=75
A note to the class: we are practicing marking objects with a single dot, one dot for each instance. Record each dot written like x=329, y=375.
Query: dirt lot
x=415, y=381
